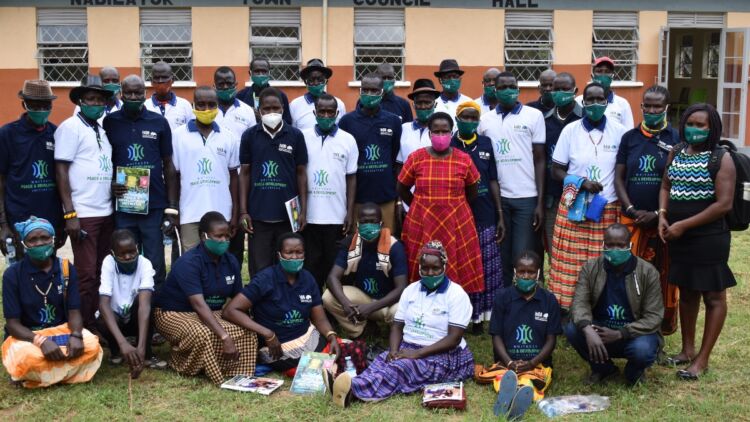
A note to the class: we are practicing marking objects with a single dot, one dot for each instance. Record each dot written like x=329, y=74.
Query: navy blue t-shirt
x=282, y=307
x=553, y=128
x=539, y=105
x=394, y=104
x=645, y=160
x=378, y=140
x=195, y=273
x=144, y=142
x=22, y=300
x=524, y=324
x=368, y=277
x=27, y=160
x=273, y=169
x=612, y=310
x=482, y=154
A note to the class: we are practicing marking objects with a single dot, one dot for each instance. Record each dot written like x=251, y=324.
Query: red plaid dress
x=440, y=211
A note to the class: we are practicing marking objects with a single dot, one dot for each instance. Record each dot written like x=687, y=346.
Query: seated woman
x=426, y=342
x=284, y=300
x=46, y=343
x=188, y=308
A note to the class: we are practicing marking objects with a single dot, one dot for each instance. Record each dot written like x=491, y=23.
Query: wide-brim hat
x=316, y=64
x=36, y=89
x=448, y=65
x=89, y=83
x=423, y=86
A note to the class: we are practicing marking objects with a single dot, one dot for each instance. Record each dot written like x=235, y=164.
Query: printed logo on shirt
x=384, y=131
x=339, y=156
x=40, y=169
x=149, y=134
x=104, y=163
x=124, y=310
x=521, y=128
x=293, y=317
x=616, y=312
x=372, y=152
x=305, y=298
x=370, y=286
x=50, y=146
x=270, y=169
x=229, y=279
x=484, y=155
x=286, y=148
x=524, y=334
x=320, y=178
x=647, y=163
x=47, y=314
x=135, y=152
x=221, y=151
x=204, y=166
x=503, y=147
x=610, y=148
x=594, y=173
x=541, y=316
x=419, y=322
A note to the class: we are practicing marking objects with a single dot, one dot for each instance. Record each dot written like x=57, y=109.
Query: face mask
x=132, y=107
x=525, y=285
x=654, y=120
x=603, y=80
x=617, y=256
x=216, y=247
x=489, y=91
x=424, y=115
x=440, y=142
x=370, y=101
x=388, y=86
x=325, y=123
x=431, y=282
x=547, y=97
x=260, y=80
x=271, y=120
x=291, y=266
x=451, y=85
x=92, y=112
x=316, y=90
x=694, y=135
x=162, y=89
x=126, y=267
x=562, y=98
x=39, y=117
x=369, y=231
x=507, y=97
x=112, y=87
x=226, y=95
x=595, y=112
x=206, y=117
x=41, y=252
x=466, y=129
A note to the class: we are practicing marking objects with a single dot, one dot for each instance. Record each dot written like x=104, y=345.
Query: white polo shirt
x=123, y=288
x=413, y=137
x=330, y=158
x=90, y=159
x=426, y=317
x=512, y=139
x=204, y=170
x=576, y=149
x=177, y=111
x=238, y=118
x=301, y=109
x=451, y=106
x=115, y=107
x=483, y=105
x=618, y=109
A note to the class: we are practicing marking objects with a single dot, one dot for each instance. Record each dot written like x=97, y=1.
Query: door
x=733, y=79
x=662, y=76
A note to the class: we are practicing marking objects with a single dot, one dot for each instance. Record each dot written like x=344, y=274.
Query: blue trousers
x=148, y=234
x=640, y=352
x=518, y=214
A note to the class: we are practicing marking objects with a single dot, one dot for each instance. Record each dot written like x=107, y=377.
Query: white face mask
x=271, y=120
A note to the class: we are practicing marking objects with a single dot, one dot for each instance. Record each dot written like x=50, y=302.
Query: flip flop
x=508, y=385
x=342, y=387
x=686, y=375
x=674, y=361
x=521, y=403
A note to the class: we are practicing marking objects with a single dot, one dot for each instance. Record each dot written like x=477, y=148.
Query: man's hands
x=230, y=350
x=73, y=229
x=608, y=335
x=273, y=344
x=118, y=190
x=592, y=187
x=52, y=351
x=5, y=233
x=247, y=223
x=597, y=350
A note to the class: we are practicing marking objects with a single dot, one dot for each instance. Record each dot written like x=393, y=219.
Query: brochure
x=292, y=211
x=135, y=200
x=246, y=383
x=309, y=377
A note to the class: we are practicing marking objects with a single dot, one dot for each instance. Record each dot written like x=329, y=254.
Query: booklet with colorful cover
x=135, y=200
x=450, y=395
x=249, y=384
x=309, y=377
x=292, y=211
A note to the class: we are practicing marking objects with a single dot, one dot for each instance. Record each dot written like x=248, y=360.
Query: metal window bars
x=62, y=44
x=529, y=41
x=281, y=46
x=167, y=36
x=378, y=38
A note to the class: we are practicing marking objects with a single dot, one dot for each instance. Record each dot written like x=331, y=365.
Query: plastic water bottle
x=349, y=368
x=10, y=258
x=167, y=239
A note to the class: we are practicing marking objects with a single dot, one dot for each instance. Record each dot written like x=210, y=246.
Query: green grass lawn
x=166, y=396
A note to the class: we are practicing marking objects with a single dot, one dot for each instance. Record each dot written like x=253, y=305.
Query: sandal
x=521, y=403
x=155, y=363
x=675, y=361
x=342, y=390
x=686, y=375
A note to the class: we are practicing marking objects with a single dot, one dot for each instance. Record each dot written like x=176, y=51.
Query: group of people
x=429, y=222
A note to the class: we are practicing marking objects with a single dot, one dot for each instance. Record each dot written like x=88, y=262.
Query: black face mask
x=126, y=267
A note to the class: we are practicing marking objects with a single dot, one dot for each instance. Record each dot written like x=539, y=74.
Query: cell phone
x=61, y=340
x=84, y=234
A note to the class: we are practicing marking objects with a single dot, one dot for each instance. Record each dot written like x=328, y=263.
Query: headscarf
x=468, y=104
x=434, y=248
x=25, y=227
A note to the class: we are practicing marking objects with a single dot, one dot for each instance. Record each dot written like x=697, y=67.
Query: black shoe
x=600, y=377
x=477, y=328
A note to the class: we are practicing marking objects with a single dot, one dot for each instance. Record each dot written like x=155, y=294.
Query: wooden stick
x=130, y=390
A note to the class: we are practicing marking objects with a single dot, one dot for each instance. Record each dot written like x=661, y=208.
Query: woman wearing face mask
x=695, y=197
x=287, y=310
x=445, y=181
x=189, y=303
x=46, y=343
x=426, y=341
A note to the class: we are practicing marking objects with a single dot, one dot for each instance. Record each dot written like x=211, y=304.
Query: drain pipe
x=324, y=38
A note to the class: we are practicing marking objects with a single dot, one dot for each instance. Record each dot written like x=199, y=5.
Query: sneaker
x=116, y=360
x=342, y=389
x=505, y=394
x=157, y=339
x=521, y=403
x=600, y=377
x=155, y=363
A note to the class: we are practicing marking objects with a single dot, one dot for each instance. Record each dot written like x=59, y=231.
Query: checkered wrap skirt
x=196, y=349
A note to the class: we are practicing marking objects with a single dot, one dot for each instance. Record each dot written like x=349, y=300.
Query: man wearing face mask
x=176, y=110
x=111, y=82
x=233, y=113
x=368, y=277
x=617, y=311
x=449, y=75
x=618, y=108
x=83, y=165
x=27, y=178
x=544, y=103
x=274, y=170
x=391, y=102
x=315, y=75
x=488, y=100
x=142, y=139
x=378, y=135
x=206, y=159
x=260, y=75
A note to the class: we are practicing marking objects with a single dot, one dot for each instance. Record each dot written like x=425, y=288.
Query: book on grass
x=136, y=180
x=445, y=395
x=249, y=384
x=309, y=376
x=292, y=211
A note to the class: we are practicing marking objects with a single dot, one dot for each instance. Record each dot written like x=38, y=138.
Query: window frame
x=293, y=20
x=68, y=18
x=149, y=46
x=530, y=68
x=366, y=63
x=602, y=45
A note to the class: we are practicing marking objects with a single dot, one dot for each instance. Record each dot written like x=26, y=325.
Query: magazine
x=248, y=384
x=292, y=211
x=135, y=200
x=309, y=376
x=443, y=392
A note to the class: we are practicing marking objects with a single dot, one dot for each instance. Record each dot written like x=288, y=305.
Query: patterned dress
x=440, y=211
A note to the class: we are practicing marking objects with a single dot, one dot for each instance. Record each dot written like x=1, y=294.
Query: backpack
x=738, y=218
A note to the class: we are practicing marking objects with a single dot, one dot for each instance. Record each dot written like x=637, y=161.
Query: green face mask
x=603, y=80
x=126, y=267
x=226, y=95
x=595, y=112
x=489, y=91
x=369, y=231
x=654, y=120
x=466, y=129
x=216, y=247
x=562, y=98
x=547, y=97
x=431, y=282
x=617, y=257
x=291, y=266
x=451, y=85
x=41, y=252
x=388, y=86
x=39, y=117
x=525, y=285
x=132, y=107
x=694, y=135
x=112, y=87
x=424, y=115
x=370, y=101
x=316, y=90
x=507, y=97
x=92, y=112
x=325, y=123
x=260, y=80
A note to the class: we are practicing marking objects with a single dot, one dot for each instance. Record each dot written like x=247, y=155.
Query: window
x=378, y=38
x=683, y=64
x=695, y=20
x=275, y=35
x=615, y=35
x=528, y=43
x=62, y=44
x=166, y=35
x=711, y=55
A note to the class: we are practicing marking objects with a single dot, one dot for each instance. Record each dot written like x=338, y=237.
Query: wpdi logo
x=40, y=169
x=370, y=285
x=104, y=163
x=647, y=163
x=204, y=166
x=320, y=178
x=124, y=309
x=372, y=152
x=503, y=147
x=594, y=173
x=270, y=169
x=292, y=317
x=135, y=152
x=47, y=314
x=616, y=312
x=419, y=321
x=523, y=334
